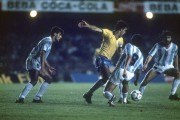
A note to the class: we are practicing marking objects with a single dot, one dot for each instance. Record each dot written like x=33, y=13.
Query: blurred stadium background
x=73, y=57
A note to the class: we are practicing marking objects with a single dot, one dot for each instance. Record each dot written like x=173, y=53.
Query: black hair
x=136, y=40
x=56, y=29
x=120, y=25
x=166, y=33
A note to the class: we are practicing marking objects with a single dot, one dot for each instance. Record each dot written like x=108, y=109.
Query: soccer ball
x=136, y=95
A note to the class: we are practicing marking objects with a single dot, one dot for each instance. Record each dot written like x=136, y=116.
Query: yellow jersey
x=109, y=44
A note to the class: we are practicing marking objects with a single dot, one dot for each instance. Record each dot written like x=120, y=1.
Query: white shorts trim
x=161, y=69
x=117, y=75
x=32, y=64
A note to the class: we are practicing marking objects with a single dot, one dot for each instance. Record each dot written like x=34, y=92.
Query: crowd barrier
x=75, y=77
x=16, y=78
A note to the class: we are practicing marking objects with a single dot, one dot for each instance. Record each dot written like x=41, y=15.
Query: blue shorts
x=102, y=60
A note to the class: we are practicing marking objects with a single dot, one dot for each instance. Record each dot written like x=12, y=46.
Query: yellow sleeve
x=107, y=33
x=96, y=51
x=120, y=42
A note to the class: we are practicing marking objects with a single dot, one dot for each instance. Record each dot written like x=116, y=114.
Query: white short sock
x=175, y=85
x=125, y=97
x=120, y=91
x=142, y=89
x=43, y=88
x=107, y=95
x=26, y=90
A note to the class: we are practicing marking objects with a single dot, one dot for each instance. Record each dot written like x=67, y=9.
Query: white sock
x=142, y=89
x=120, y=91
x=125, y=97
x=107, y=95
x=26, y=90
x=175, y=85
x=43, y=88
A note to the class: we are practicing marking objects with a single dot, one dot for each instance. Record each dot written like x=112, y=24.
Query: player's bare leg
x=108, y=93
x=105, y=75
x=121, y=94
x=34, y=77
x=43, y=88
x=125, y=91
x=151, y=74
x=174, y=73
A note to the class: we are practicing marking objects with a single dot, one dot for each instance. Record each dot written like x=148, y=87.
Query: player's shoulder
x=159, y=44
x=174, y=44
x=128, y=45
x=107, y=31
x=46, y=39
x=120, y=39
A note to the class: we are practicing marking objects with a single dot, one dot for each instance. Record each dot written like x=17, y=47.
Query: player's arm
x=45, y=67
x=128, y=60
x=119, y=50
x=176, y=62
x=87, y=25
x=43, y=62
x=150, y=56
x=120, y=45
x=148, y=59
x=138, y=73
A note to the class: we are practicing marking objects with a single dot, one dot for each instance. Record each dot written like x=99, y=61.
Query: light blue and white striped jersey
x=33, y=60
x=164, y=56
x=137, y=58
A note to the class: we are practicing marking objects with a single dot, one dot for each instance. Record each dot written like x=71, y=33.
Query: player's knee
x=105, y=77
x=105, y=74
x=104, y=80
x=48, y=79
x=177, y=76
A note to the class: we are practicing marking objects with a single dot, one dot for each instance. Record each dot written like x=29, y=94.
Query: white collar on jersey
x=168, y=47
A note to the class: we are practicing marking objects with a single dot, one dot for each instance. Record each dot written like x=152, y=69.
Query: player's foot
x=19, y=100
x=87, y=98
x=111, y=102
x=121, y=101
x=37, y=101
x=174, y=97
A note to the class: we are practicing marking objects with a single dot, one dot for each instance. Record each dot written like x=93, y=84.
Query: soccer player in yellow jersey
x=112, y=41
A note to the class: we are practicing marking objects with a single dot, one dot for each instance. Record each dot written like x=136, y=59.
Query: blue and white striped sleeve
x=129, y=49
x=46, y=44
x=176, y=52
x=154, y=50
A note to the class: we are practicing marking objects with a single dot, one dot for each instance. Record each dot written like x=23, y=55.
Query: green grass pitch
x=63, y=101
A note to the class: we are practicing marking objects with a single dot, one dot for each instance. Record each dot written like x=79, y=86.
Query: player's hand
x=43, y=72
x=145, y=67
x=83, y=24
x=52, y=71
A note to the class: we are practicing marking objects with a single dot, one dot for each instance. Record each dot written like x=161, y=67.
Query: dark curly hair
x=56, y=29
x=136, y=40
x=120, y=25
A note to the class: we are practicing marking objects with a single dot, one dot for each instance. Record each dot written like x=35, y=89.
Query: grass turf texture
x=63, y=101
